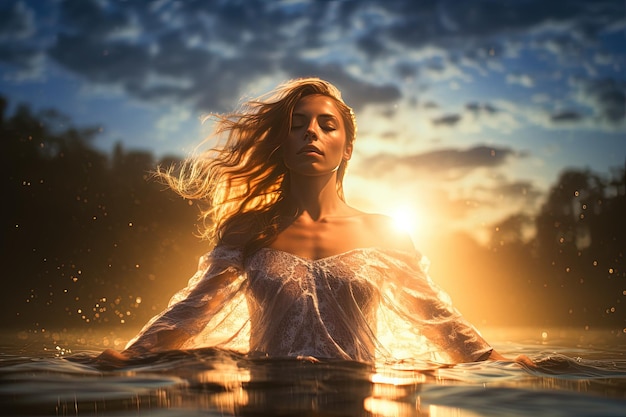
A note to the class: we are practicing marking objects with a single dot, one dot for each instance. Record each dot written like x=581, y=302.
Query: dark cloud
x=406, y=71
x=203, y=53
x=435, y=66
x=453, y=24
x=566, y=116
x=16, y=21
x=446, y=162
x=25, y=57
x=164, y=64
x=480, y=108
x=609, y=99
x=474, y=109
x=88, y=18
x=447, y=120
x=355, y=91
x=199, y=53
x=113, y=63
x=16, y=28
x=483, y=30
x=517, y=190
x=372, y=46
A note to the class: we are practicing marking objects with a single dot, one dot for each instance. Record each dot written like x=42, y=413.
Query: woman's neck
x=317, y=196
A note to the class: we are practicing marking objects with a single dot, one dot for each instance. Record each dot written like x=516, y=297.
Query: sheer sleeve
x=211, y=304
x=419, y=315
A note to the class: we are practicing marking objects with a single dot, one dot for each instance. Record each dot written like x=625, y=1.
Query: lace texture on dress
x=368, y=304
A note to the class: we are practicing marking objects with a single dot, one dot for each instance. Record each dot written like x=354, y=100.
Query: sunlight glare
x=404, y=219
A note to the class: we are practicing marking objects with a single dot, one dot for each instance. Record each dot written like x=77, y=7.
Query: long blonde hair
x=242, y=185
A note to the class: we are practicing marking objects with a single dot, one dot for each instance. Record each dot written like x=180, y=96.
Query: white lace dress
x=367, y=304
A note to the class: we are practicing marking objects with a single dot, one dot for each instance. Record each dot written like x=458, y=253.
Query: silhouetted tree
x=580, y=244
x=88, y=238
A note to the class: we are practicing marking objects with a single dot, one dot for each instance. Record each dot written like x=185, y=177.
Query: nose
x=310, y=133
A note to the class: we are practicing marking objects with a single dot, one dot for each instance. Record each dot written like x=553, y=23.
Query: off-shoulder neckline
x=337, y=255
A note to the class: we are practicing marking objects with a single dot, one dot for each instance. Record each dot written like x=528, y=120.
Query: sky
x=467, y=111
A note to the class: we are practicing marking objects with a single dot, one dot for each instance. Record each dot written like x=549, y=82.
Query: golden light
x=405, y=218
x=385, y=408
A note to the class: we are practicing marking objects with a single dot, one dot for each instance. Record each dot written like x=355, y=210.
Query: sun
x=404, y=218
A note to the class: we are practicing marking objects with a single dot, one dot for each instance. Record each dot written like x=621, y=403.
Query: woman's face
x=316, y=144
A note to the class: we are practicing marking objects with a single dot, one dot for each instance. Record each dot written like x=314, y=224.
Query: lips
x=310, y=149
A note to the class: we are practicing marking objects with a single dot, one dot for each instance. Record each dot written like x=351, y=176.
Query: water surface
x=579, y=373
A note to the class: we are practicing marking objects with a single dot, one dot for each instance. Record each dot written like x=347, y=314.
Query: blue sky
x=467, y=111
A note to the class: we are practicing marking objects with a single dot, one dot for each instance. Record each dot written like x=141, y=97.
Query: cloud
x=447, y=120
x=372, y=46
x=524, y=80
x=206, y=55
x=355, y=91
x=475, y=117
x=92, y=19
x=480, y=108
x=16, y=22
x=447, y=163
x=566, y=116
x=469, y=24
x=516, y=190
x=17, y=48
x=607, y=97
x=208, y=51
x=101, y=62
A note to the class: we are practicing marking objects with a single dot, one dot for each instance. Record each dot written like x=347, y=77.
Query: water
x=579, y=373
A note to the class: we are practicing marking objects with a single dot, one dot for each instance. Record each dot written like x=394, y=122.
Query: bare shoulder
x=385, y=232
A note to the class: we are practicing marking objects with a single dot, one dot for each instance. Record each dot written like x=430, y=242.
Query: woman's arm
x=188, y=316
x=173, y=327
x=218, y=279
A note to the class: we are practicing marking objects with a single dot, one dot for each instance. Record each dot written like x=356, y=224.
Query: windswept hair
x=242, y=185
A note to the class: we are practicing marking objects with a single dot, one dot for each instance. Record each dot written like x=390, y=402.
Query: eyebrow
x=325, y=115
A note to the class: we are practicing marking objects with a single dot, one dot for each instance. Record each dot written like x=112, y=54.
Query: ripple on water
x=571, y=379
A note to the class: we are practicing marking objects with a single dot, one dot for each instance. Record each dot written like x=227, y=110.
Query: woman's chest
x=322, y=240
x=274, y=273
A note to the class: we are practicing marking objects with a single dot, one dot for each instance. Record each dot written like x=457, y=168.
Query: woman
x=295, y=270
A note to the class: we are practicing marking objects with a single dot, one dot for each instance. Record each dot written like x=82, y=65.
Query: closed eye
x=327, y=123
x=297, y=122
